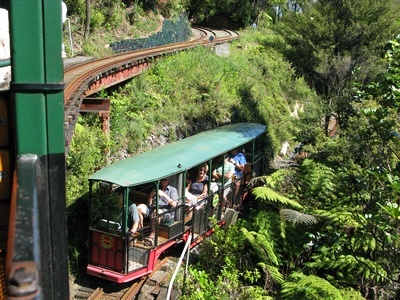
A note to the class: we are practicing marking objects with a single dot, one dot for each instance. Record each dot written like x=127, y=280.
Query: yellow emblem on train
x=106, y=241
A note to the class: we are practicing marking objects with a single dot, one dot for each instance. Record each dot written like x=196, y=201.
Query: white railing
x=186, y=249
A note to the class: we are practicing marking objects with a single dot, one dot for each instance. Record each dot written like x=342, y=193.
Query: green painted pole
x=37, y=97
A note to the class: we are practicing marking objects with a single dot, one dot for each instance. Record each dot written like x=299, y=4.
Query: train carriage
x=117, y=255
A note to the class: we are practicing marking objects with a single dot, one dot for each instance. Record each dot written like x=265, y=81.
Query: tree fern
x=270, y=195
x=339, y=216
x=309, y=287
x=295, y=217
x=261, y=245
x=273, y=271
x=350, y=294
x=358, y=249
x=318, y=182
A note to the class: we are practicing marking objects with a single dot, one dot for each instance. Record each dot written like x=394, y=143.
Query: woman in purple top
x=197, y=188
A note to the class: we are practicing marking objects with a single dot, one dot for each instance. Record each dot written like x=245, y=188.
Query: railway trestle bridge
x=85, y=78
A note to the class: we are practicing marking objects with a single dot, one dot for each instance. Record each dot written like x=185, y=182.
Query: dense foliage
x=336, y=44
x=350, y=182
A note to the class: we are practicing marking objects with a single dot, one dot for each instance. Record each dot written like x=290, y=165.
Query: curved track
x=85, y=79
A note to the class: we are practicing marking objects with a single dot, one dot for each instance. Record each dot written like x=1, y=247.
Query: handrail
x=171, y=283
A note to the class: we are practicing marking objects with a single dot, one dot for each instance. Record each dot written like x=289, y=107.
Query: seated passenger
x=196, y=190
x=197, y=186
x=133, y=213
x=239, y=161
x=218, y=176
x=133, y=218
x=167, y=201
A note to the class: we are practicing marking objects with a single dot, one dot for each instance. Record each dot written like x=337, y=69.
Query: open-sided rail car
x=116, y=255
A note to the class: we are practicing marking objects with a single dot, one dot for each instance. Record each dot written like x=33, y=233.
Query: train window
x=106, y=205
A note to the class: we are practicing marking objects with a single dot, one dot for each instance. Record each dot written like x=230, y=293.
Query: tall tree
x=358, y=196
x=87, y=20
x=333, y=43
x=243, y=12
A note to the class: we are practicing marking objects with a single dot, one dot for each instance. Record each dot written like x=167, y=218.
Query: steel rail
x=97, y=294
x=125, y=293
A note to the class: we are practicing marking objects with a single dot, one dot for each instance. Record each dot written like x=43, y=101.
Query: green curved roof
x=178, y=156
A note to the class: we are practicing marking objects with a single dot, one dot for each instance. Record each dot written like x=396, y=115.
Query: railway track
x=152, y=286
x=90, y=77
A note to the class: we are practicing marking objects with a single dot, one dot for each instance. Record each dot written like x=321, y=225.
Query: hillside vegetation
x=326, y=228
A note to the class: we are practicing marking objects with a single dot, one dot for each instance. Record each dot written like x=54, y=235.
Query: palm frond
x=296, y=217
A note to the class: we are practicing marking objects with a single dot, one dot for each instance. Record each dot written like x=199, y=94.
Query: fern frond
x=359, y=265
x=339, y=217
x=367, y=244
x=277, y=177
x=264, y=249
x=257, y=181
x=268, y=194
x=309, y=287
x=349, y=293
x=273, y=271
x=262, y=246
x=319, y=179
x=269, y=224
x=296, y=217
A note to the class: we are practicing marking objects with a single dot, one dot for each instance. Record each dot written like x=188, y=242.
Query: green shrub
x=86, y=155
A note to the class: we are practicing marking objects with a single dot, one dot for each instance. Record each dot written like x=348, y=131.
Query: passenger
x=197, y=185
x=196, y=190
x=133, y=213
x=167, y=201
x=217, y=175
x=134, y=218
x=239, y=161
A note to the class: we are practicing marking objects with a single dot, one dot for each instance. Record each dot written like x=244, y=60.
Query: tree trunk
x=87, y=23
